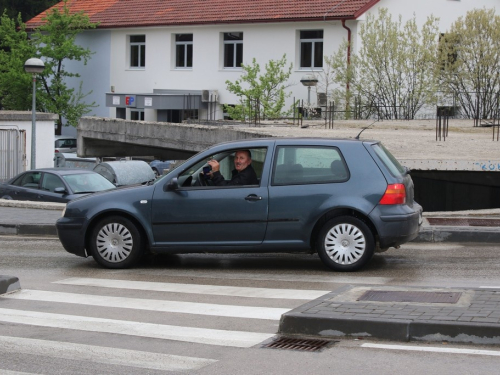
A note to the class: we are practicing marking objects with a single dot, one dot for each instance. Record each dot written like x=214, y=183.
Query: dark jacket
x=246, y=177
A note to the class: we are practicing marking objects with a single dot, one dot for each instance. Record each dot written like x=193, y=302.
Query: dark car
x=53, y=185
x=160, y=167
x=344, y=199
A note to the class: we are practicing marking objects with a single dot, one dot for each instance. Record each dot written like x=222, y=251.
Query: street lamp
x=309, y=80
x=34, y=66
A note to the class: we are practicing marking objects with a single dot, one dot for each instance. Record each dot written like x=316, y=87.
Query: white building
x=159, y=47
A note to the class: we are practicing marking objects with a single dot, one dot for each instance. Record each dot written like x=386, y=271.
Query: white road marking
x=8, y=372
x=198, y=289
x=238, y=339
x=490, y=287
x=251, y=312
x=328, y=277
x=433, y=349
x=100, y=354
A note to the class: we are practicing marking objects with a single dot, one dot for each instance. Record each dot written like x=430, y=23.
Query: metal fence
x=12, y=151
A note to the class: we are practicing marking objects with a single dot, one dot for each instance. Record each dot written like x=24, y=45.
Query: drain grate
x=305, y=345
x=464, y=222
x=405, y=296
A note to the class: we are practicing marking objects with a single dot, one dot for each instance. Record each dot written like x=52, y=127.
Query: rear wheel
x=116, y=242
x=345, y=243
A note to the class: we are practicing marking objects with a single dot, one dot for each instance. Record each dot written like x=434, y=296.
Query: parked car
x=344, y=199
x=53, y=185
x=125, y=172
x=64, y=143
x=159, y=167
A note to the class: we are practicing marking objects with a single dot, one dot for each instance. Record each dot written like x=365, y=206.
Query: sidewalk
x=400, y=314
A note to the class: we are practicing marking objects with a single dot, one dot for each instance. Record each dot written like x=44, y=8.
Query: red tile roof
x=136, y=13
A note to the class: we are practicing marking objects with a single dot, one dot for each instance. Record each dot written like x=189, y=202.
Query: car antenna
x=362, y=130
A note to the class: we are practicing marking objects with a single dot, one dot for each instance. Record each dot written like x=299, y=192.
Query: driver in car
x=243, y=174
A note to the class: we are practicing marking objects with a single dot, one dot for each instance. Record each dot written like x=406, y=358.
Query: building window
x=311, y=49
x=184, y=50
x=137, y=115
x=233, y=50
x=137, y=51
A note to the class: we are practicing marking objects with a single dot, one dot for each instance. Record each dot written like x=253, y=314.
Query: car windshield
x=87, y=183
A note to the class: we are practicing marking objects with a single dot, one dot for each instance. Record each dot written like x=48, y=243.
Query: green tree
x=27, y=8
x=261, y=95
x=55, y=43
x=15, y=84
x=470, y=60
x=393, y=71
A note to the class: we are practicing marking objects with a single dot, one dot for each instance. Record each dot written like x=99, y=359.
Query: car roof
x=297, y=140
x=63, y=171
x=64, y=137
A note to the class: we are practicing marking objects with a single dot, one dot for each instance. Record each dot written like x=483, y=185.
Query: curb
x=316, y=319
x=9, y=284
x=28, y=229
x=458, y=234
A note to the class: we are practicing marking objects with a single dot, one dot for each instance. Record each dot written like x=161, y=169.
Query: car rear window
x=389, y=160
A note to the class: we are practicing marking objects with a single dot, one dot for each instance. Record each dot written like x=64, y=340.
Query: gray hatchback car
x=344, y=199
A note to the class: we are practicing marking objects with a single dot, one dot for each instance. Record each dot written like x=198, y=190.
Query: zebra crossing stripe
x=238, y=339
x=249, y=312
x=299, y=294
x=100, y=354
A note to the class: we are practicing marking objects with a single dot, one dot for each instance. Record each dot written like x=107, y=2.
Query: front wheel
x=345, y=243
x=116, y=242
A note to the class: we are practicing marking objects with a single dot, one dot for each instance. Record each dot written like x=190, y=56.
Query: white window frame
x=235, y=44
x=313, y=41
x=141, y=47
x=185, y=44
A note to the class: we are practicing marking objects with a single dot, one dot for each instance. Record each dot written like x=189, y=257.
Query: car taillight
x=57, y=150
x=394, y=194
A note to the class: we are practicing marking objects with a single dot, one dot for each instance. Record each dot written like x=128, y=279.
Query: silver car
x=65, y=144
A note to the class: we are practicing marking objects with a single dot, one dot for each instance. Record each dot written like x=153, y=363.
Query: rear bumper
x=71, y=234
x=399, y=225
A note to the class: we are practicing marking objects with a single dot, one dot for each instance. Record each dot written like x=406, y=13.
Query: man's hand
x=214, y=164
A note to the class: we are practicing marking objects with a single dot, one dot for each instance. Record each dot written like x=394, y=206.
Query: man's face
x=241, y=160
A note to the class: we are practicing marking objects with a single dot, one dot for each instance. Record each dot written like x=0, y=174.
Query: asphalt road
x=209, y=314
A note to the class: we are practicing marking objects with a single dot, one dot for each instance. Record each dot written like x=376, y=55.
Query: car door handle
x=253, y=197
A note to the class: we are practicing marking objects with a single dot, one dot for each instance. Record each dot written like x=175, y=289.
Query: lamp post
x=309, y=80
x=34, y=66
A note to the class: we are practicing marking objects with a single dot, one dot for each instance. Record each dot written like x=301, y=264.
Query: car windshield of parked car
x=87, y=183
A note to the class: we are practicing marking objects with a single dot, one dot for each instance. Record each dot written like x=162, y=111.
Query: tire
x=345, y=243
x=116, y=242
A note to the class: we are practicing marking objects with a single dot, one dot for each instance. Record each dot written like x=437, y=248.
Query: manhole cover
x=405, y=296
x=306, y=345
x=464, y=222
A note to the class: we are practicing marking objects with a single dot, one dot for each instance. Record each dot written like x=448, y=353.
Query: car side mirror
x=172, y=185
x=59, y=190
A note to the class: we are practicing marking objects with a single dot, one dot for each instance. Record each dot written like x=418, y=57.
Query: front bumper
x=71, y=233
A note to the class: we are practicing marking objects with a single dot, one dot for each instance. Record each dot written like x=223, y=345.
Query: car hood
x=116, y=194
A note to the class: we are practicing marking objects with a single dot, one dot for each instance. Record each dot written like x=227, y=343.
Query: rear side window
x=396, y=169
x=297, y=165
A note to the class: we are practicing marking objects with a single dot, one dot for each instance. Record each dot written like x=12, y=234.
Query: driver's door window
x=198, y=174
